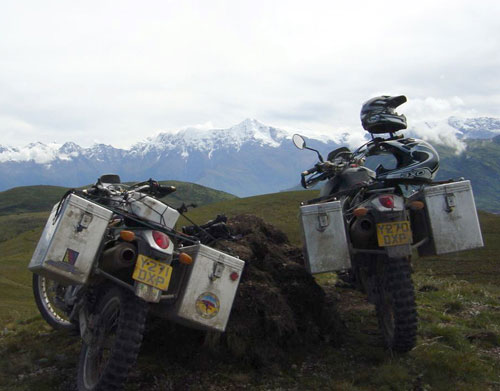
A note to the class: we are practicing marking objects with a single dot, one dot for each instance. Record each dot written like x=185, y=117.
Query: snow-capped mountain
x=476, y=128
x=208, y=141
x=246, y=159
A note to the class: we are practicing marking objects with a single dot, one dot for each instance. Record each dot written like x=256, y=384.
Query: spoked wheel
x=117, y=336
x=49, y=298
x=396, y=307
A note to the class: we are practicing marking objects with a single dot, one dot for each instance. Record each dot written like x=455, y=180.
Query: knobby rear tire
x=396, y=307
x=45, y=292
x=105, y=364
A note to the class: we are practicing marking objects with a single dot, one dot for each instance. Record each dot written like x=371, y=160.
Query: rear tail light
x=161, y=239
x=387, y=201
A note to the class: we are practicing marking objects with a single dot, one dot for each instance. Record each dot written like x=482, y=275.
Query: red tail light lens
x=161, y=239
x=387, y=201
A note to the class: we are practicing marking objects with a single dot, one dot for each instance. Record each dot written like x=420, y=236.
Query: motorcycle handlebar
x=153, y=187
x=166, y=190
x=310, y=171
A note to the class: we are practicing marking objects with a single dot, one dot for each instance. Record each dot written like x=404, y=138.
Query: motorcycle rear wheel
x=104, y=365
x=396, y=307
x=47, y=294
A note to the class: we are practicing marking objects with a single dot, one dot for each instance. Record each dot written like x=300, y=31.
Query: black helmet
x=417, y=161
x=378, y=115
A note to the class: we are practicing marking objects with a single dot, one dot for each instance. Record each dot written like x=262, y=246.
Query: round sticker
x=207, y=305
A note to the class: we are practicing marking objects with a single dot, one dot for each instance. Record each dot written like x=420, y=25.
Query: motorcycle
x=365, y=224
x=109, y=255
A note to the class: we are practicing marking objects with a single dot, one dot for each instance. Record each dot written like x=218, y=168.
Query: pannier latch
x=323, y=220
x=218, y=269
x=450, y=202
x=84, y=222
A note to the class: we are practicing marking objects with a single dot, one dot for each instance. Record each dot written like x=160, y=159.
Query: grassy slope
x=192, y=193
x=27, y=199
x=480, y=164
x=280, y=209
x=458, y=346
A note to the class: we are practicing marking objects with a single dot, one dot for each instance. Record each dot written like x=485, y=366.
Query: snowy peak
x=70, y=148
x=37, y=152
x=249, y=132
x=209, y=140
x=481, y=127
x=253, y=130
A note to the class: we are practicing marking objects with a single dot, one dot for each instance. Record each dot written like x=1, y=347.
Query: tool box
x=449, y=219
x=324, y=237
x=70, y=241
x=209, y=288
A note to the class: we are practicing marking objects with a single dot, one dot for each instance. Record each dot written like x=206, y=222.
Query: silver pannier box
x=451, y=221
x=70, y=241
x=324, y=237
x=206, y=299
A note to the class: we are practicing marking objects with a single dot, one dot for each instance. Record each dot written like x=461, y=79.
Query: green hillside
x=480, y=163
x=41, y=198
x=29, y=199
x=458, y=340
x=192, y=193
x=279, y=209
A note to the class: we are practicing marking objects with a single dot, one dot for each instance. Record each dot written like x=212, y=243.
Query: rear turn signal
x=128, y=236
x=358, y=212
x=161, y=239
x=185, y=259
x=416, y=205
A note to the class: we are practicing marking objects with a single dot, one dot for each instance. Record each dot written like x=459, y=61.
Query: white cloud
x=93, y=70
x=437, y=132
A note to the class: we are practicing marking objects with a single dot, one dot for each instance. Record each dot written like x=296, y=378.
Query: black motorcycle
x=368, y=214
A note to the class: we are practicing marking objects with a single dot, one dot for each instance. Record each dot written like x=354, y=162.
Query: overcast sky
x=118, y=71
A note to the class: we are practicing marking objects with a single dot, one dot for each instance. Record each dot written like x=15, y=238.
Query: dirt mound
x=278, y=305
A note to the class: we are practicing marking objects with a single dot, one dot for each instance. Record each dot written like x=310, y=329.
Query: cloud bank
x=97, y=72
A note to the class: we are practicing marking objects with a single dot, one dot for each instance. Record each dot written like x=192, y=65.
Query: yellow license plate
x=152, y=272
x=394, y=234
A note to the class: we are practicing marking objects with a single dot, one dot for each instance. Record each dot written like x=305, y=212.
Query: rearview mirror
x=299, y=141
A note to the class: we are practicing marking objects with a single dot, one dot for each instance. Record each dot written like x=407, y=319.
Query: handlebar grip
x=303, y=181
x=310, y=171
x=303, y=175
x=165, y=190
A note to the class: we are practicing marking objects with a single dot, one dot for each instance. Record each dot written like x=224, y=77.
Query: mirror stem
x=315, y=150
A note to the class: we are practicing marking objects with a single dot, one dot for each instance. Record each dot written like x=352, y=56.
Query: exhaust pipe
x=363, y=233
x=121, y=256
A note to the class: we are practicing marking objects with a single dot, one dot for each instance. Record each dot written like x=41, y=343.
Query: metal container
x=70, y=241
x=324, y=237
x=451, y=219
x=152, y=210
x=206, y=299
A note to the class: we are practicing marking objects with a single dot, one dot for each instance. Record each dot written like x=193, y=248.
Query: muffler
x=363, y=232
x=121, y=256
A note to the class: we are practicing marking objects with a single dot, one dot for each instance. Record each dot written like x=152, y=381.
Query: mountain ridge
x=246, y=159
